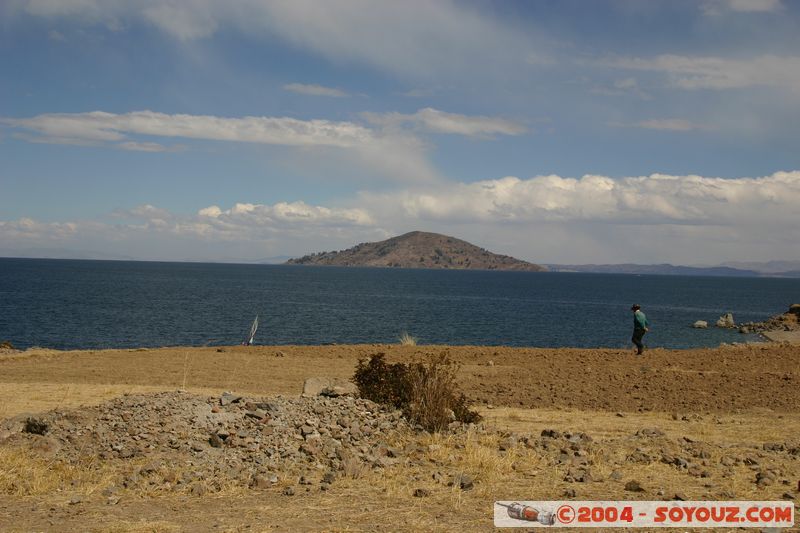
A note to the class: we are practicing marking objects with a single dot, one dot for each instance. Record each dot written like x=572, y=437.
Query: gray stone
x=508, y=443
x=260, y=482
x=650, y=432
x=462, y=481
x=228, y=398
x=330, y=387
x=579, y=474
x=700, y=324
x=633, y=486
x=127, y=453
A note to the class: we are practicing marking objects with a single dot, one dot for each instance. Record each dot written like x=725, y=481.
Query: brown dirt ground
x=735, y=400
x=724, y=379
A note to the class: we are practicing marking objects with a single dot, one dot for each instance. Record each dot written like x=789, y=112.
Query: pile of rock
x=186, y=438
x=788, y=321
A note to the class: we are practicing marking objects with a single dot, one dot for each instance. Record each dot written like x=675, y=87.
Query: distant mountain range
x=418, y=249
x=769, y=267
x=63, y=253
x=432, y=250
x=754, y=269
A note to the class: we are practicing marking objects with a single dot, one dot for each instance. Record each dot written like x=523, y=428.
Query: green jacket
x=640, y=320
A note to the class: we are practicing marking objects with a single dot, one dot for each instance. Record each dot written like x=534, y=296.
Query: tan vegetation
x=407, y=340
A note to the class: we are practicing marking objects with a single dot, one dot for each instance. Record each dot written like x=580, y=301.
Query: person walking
x=640, y=327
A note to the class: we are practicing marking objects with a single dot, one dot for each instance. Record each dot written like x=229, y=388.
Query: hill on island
x=418, y=249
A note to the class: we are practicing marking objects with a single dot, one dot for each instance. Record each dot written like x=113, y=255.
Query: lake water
x=68, y=304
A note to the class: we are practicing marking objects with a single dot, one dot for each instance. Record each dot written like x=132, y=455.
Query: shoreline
x=750, y=339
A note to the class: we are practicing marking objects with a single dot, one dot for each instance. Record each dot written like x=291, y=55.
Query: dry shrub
x=382, y=382
x=36, y=426
x=353, y=468
x=426, y=392
x=435, y=400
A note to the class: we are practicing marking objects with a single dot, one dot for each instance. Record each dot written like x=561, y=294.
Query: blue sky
x=555, y=131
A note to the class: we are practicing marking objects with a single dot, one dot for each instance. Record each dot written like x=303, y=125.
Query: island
x=419, y=249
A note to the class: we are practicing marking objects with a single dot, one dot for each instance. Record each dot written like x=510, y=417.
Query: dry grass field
x=731, y=412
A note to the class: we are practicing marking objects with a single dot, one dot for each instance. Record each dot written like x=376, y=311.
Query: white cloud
x=681, y=219
x=416, y=37
x=315, y=90
x=671, y=124
x=623, y=87
x=657, y=218
x=145, y=147
x=26, y=229
x=282, y=214
x=418, y=93
x=441, y=122
x=241, y=238
x=101, y=126
x=650, y=200
x=695, y=72
x=668, y=124
x=145, y=212
x=397, y=155
x=212, y=211
x=185, y=24
x=394, y=152
x=718, y=7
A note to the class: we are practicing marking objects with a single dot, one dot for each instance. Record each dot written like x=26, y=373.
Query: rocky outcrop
x=7, y=348
x=700, y=324
x=788, y=321
x=726, y=321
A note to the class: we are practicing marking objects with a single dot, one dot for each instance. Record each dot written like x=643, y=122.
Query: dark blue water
x=103, y=304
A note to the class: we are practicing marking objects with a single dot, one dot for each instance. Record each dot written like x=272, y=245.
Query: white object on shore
x=251, y=337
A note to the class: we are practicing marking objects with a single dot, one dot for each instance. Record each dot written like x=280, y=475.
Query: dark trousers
x=637, y=340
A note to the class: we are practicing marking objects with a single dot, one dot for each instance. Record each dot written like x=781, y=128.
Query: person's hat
x=635, y=307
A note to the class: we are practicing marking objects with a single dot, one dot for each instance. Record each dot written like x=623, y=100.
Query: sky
x=555, y=131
